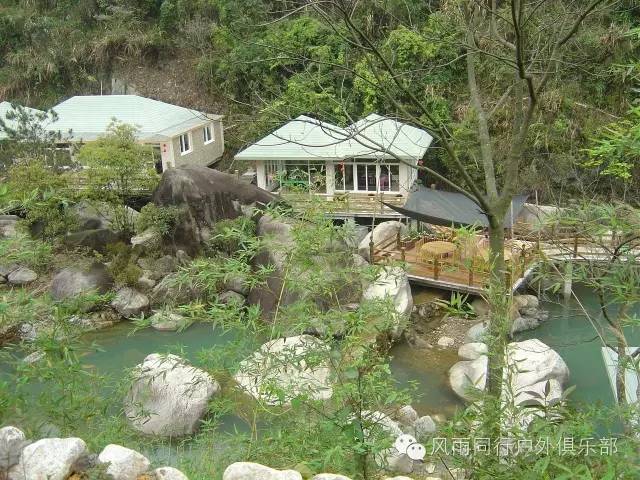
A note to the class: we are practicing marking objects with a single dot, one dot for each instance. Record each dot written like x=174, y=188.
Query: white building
x=376, y=155
x=181, y=136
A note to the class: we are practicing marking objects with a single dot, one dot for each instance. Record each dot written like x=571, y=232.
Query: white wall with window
x=186, y=145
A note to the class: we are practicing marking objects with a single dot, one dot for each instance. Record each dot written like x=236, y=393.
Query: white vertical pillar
x=331, y=177
x=261, y=174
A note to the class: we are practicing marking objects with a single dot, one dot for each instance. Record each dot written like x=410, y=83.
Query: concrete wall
x=200, y=154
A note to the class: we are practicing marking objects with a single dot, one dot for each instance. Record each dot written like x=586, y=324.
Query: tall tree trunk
x=499, y=301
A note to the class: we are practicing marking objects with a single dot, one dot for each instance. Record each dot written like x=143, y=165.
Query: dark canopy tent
x=451, y=209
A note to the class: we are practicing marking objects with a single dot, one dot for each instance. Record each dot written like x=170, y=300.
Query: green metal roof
x=306, y=138
x=88, y=117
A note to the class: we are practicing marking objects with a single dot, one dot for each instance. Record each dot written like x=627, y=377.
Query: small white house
x=181, y=136
x=375, y=155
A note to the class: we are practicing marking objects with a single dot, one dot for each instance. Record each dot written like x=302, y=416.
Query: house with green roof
x=180, y=136
x=372, y=159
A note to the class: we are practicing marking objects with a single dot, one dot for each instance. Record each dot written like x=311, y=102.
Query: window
x=185, y=143
x=207, y=132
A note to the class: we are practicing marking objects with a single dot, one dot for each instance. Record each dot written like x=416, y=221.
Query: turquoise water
x=572, y=335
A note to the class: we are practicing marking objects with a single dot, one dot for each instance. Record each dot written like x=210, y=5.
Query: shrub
x=160, y=219
x=122, y=265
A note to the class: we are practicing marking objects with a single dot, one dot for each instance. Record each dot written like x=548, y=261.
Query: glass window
x=344, y=176
x=389, y=178
x=185, y=143
x=207, y=134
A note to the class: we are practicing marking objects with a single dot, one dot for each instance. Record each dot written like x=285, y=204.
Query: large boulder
x=123, y=463
x=204, y=196
x=168, y=397
x=22, y=276
x=466, y=376
x=12, y=440
x=393, y=283
x=285, y=368
x=534, y=362
x=476, y=333
x=255, y=471
x=330, y=264
x=72, y=281
x=170, y=291
x=130, y=303
x=278, y=240
x=168, y=321
x=49, y=459
x=97, y=239
x=382, y=233
x=472, y=350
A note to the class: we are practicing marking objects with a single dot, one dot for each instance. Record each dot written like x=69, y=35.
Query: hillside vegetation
x=261, y=62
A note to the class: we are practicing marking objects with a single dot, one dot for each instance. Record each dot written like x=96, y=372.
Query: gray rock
x=8, y=226
x=476, y=333
x=393, y=283
x=147, y=239
x=204, y=197
x=145, y=283
x=168, y=321
x=130, y=303
x=22, y=276
x=123, y=463
x=169, y=473
x=272, y=366
x=471, y=351
x=232, y=298
x=255, y=471
x=183, y=258
x=466, y=376
x=407, y=415
x=424, y=427
x=34, y=357
x=98, y=239
x=169, y=291
x=446, y=342
x=522, y=324
x=91, y=215
x=12, y=441
x=48, y=459
x=28, y=332
x=383, y=232
x=168, y=396
x=237, y=283
x=6, y=269
x=71, y=282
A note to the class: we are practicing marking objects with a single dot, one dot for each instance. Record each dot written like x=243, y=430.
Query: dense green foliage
x=267, y=61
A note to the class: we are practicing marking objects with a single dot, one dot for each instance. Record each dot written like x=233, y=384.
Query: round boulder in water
x=168, y=396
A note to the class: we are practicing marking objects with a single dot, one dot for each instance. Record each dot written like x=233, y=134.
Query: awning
x=438, y=207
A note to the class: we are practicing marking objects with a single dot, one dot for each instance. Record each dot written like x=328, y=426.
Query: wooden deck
x=466, y=270
x=347, y=204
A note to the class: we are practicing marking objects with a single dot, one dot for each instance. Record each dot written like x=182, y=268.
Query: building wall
x=200, y=154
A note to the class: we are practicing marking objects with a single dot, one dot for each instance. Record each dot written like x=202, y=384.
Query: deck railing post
x=575, y=245
x=403, y=254
x=398, y=239
x=471, y=271
x=436, y=267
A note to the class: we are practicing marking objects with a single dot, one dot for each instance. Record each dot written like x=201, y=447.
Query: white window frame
x=189, y=138
x=207, y=131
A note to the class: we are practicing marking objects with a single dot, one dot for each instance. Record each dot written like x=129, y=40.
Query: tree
x=511, y=52
x=616, y=153
x=117, y=169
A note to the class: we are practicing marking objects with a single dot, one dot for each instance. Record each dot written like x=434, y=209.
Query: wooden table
x=437, y=248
